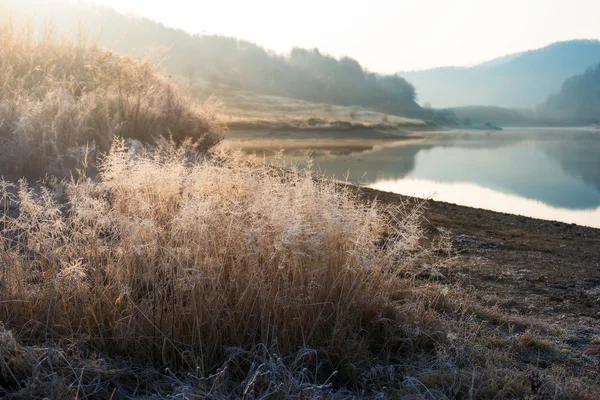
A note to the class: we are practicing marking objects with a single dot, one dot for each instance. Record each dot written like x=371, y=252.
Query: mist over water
x=544, y=173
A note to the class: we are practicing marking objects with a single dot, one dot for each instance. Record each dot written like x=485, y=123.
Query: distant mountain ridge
x=515, y=80
x=496, y=62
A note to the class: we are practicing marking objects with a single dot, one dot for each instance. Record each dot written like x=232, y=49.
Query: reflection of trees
x=367, y=167
x=513, y=168
x=398, y=161
x=578, y=155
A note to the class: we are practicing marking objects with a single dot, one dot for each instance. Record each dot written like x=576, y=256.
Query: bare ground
x=535, y=271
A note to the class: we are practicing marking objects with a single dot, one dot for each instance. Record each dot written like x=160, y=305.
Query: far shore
x=351, y=145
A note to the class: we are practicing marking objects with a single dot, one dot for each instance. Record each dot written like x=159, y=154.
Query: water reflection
x=546, y=173
x=521, y=169
x=480, y=197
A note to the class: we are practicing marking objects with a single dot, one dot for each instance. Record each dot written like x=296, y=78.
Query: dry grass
x=181, y=262
x=232, y=280
x=62, y=100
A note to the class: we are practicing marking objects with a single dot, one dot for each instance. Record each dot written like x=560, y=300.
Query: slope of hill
x=245, y=110
x=478, y=115
x=578, y=99
x=303, y=74
x=62, y=104
x=496, y=62
x=517, y=80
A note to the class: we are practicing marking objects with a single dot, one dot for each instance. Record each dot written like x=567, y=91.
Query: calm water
x=544, y=173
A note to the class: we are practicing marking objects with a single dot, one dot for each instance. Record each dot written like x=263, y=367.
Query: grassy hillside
x=62, y=103
x=246, y=110
x=303, y=74
x=521, y=80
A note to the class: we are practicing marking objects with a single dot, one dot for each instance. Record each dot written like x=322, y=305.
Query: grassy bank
x=179, y=266
x=224, y=278
x=248, y=111
x=63, y=102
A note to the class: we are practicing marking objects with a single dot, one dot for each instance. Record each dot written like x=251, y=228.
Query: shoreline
x=334, y=141
x=526, y=267
x=265, y=144
x=330, y=146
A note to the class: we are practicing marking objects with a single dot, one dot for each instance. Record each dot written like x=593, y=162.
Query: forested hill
x=303, y=74
x=517, y=80
x=578, y=99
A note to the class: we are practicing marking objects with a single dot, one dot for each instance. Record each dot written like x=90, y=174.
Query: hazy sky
x=385, y=36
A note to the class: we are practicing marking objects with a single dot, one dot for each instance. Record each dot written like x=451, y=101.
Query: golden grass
x=220, y=254
x=172, y=264
x=62, y=101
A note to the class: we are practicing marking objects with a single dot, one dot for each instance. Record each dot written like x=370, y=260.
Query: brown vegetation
x=62, y=101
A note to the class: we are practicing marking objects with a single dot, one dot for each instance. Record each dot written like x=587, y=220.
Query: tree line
x=578, y=99
x=303, y=73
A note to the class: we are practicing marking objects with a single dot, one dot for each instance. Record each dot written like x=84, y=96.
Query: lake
x=545, y=173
